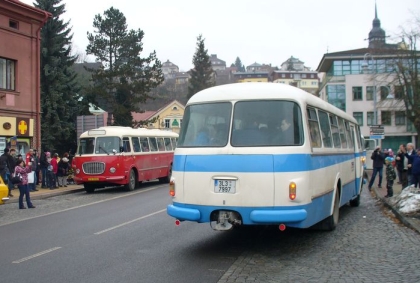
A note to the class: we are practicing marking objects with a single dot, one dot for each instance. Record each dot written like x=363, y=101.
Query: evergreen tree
x=125, y=79
x=239, y=66
x=59, y=104
x=202, y=75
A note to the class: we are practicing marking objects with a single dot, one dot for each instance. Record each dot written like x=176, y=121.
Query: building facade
x=360, y=82
x=20, y=97
x=169, y=69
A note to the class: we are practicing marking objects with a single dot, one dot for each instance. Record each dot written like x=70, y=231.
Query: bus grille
x=93, y=167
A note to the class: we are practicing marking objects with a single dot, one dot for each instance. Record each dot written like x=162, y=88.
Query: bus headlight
x=292, y=190
x=112, y=170
x=172, y=187
x=77, y=171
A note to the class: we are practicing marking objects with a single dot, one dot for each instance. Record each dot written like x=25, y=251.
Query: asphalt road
x=117, y=236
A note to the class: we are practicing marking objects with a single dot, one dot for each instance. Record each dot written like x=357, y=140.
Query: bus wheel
x=167, y=179
x=131, y=181
x=89, y=188
x=329, y=223
x=355, y=202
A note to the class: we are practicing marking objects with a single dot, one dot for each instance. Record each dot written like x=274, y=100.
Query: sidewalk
x=380, y=193
x=47, y=193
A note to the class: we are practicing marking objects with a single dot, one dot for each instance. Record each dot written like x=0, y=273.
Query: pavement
x=44, y=193
x=380, y=193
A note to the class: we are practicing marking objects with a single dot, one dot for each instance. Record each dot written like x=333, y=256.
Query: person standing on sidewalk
x=23, y=186
x=410, y=152
x=402, y=166
x=378, y=158
x=415, y=167
x=43, y=164
x=63, y=172
x=390, y=177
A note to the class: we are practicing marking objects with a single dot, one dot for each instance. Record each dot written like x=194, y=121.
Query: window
x=386, y=118
x=303, y=76
x=335, y=132
x=350, y=137
x=126, y=145
x=153, y=144
x=399, y=118
x=371, y=118
x=336, y=95
x=7, y=74
x=342, y=133
x=384, y=90
x=357, y=93
x=369, y=92
x=283, y=75
x=359, y=117
x=144, y=144
x=325, y=129
x=398, y=92
x=167, y=123
x=13, y=24
x=168, y=145
x=161, y=144
x=314, y=128
x=136, y=144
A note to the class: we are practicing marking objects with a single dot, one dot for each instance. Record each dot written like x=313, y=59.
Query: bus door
x=127, y=154
x=370, y=145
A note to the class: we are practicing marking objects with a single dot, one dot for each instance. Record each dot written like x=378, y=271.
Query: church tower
x=376, y=34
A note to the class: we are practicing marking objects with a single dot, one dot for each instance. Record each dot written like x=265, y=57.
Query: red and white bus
x=112, y=156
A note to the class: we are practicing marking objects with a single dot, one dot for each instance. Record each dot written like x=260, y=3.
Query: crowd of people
x=406, y=162
x=32, y=171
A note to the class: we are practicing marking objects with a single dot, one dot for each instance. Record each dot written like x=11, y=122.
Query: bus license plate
x=93, y=179
x=224, y=186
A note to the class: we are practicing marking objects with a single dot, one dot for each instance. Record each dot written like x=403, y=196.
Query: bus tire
x=330, y=223
x=89, y=188
x=132, y=182
x=355, y=202
x=167, y=179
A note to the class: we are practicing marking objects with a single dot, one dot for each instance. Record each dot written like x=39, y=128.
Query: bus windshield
x=105, y=145
x=255, y=123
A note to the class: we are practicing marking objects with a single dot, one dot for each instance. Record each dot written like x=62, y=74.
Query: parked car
x=4, y=191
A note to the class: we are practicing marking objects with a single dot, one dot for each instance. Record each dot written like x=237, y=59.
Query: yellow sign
x=22, y=126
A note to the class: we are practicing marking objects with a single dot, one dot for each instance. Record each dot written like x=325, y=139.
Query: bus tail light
x=292, y=190
x=172, y=188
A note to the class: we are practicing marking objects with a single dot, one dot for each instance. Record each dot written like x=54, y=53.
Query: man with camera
x=378, y=158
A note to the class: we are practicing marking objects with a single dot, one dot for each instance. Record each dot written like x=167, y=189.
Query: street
x=118, y=236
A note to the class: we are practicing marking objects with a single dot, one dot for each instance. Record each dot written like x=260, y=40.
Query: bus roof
x=127, y=131
x=252, y=91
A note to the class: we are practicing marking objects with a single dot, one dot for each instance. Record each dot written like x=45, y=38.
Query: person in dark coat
x=401, y=163
x=378, y=158
x=63, y=171
x=415, y=167
x=43, y=165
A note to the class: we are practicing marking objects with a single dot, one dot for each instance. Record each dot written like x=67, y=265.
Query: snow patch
x=408, y=201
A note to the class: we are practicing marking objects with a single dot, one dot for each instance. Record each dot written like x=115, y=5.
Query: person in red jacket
x=54, y=164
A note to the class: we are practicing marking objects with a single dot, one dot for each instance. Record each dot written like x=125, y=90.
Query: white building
x=359, y=81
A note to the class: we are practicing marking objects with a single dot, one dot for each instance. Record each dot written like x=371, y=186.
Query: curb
x=48, y=195
x=404, y=219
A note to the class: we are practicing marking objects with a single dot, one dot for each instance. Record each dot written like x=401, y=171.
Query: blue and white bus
x=265, y=154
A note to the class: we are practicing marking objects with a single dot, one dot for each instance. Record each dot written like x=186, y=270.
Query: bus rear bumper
x=183, y=213
x=276, y=216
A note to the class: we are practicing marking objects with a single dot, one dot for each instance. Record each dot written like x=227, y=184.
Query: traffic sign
x=377, y=130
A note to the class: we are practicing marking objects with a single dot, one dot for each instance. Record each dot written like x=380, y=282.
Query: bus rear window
x=267, y=123
x=205, y=125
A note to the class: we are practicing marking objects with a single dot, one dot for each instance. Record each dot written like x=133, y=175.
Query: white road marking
x=83, y=205
x=36, y=255
x=129, y=222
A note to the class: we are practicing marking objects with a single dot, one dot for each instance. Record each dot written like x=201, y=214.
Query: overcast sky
x=265, y=31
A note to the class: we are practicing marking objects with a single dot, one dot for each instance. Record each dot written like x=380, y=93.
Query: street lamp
x=365, y=66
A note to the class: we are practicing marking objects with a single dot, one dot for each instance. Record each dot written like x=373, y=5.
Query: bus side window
x=136, y=144
x=161, y=144
x=144, y=143
x=126, y=145
x=168, y=145
x=153, y=144
x=314, y=128
x=174, y=142
x=325, y=128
